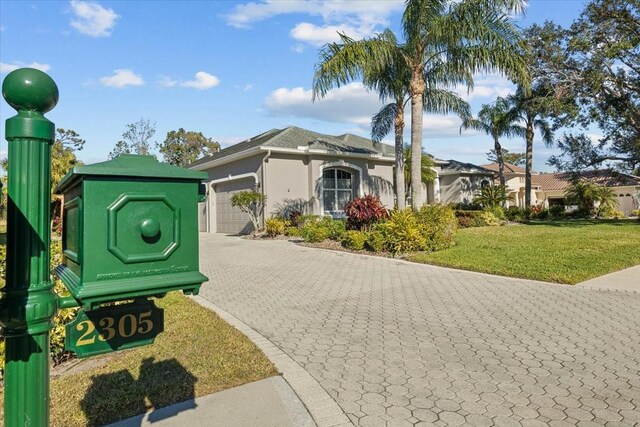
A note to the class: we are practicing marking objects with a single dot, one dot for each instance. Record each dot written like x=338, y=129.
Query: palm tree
x=380, y=62
x=496, y=121
x=582, y=193
x=492, y=196
x=469, y=37
x=427, y=174
x=530, y=107
x=606, y=199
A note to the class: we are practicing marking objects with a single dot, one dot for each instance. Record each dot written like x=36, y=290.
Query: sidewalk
x=266, y=403
x=628, y=280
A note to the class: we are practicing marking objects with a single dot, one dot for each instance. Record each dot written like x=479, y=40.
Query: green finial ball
x=30, y=89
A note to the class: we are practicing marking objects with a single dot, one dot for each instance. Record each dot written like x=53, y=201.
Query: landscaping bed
x=197, y=354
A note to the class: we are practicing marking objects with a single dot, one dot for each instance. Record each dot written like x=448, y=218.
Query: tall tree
x=532, y=109
x=497, y=121
x=182, y=147
x=507, y=156
x=380, y=62
x=427, y=173
x=470, y=36
x=597, y=62
x=136, y=139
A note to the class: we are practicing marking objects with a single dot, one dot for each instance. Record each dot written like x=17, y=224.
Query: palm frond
x=382, y=122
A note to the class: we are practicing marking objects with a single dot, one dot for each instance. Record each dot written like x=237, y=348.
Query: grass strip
x=198, y=354
x=554, y=251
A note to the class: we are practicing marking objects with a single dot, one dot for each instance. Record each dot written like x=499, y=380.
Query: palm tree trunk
x=399, y=149
x=498, y=149
x=529, y=163
x=417, y=87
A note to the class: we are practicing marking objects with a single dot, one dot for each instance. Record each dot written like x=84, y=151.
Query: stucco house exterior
x=314, y=173
x=514, y=177
x=549, y=189
x=625, y=187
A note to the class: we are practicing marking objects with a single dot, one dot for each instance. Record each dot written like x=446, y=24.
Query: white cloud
x=202, y=81
x=7, y=68
x=352, y=104
x=319, y=35
x=298, y=48
x=122, y=78
x=356, y=18
x=247, y=88
x=487, y=87
x=166, y=81
x=92, y=19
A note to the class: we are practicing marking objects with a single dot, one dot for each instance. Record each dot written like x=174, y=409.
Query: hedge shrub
x=355, y=240
x=438, y=224
x=402, y=232
x=314, y=232
x=468, y=219
x=274, y=226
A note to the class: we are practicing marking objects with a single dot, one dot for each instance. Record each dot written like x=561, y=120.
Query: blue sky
x=227, y=69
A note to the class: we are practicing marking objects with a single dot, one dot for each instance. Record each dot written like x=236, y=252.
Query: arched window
x=485, y=183
x=337, y=190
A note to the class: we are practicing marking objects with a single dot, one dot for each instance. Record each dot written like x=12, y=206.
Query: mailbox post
x=129, y=234
x=28, y=303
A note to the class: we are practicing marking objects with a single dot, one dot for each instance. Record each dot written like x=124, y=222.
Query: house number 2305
x=127, y=326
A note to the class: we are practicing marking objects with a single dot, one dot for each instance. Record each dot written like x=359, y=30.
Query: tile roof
x=604, y=177
x=508, y=168
x=293, y=137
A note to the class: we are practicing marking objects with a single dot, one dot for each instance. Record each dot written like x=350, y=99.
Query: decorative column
x=27, y=302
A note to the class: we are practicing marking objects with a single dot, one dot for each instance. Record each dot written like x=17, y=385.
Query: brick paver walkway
x=407, y=344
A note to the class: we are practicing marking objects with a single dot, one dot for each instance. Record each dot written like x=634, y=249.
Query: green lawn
x=197, y=354
x=554, y=251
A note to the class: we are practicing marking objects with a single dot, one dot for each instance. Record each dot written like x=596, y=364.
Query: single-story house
x=625, y=187
x=549, y=189
x=314, y=173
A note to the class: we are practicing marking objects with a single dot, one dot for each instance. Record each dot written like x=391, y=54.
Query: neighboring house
x=514, y=177
x=549, y=189
x=314, y=173
x=625, y=187
x=297, y=170
x=460, y=182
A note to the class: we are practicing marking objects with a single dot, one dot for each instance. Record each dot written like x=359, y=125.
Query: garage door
x=230, y=219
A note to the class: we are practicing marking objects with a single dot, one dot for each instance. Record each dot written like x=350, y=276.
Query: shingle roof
x=508, y=168
x=455, y=165
x=604, y=177
x=293, y=137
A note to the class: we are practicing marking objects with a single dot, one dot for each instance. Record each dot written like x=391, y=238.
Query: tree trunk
x=528, y=166
x=417, y=87
x=401, y=197
x=498, y=148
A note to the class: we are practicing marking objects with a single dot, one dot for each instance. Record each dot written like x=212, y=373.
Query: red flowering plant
x=363, y=212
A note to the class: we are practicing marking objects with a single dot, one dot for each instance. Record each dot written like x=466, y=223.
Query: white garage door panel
x=230, y=219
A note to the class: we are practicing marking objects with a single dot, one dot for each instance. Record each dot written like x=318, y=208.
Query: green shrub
x=274, y=226
x=438, y=224
x=377, y=240
x=303, y=220
x=489, y=219
x=335, y=227
x=514, y=213
x=354, y=240
x=313, y=232
x=468, y=219
x=635, y=212
x=402, y=232
x=292, y=231
x=497, y=211
x=556, y=211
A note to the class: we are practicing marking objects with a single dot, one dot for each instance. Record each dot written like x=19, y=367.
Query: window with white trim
x=337, y=190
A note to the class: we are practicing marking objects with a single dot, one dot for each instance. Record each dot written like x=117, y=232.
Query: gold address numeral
x=84, y=338
x=106, y=323
x=122, y=325
x=146, y=325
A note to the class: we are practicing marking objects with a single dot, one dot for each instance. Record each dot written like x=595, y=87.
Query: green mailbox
x=130, y=230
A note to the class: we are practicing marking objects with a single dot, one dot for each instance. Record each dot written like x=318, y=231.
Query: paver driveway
x=399, y=344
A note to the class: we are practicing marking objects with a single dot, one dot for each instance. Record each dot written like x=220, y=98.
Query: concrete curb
x=324, y=410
